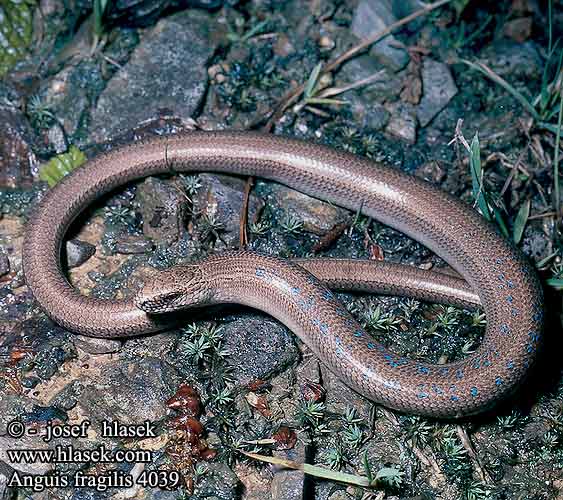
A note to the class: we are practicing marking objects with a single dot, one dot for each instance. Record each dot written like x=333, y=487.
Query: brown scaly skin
x=497, y=275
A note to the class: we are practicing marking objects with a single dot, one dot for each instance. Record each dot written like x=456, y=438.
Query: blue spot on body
x=444, y=371
x=327, y=295
x=510, y=365
x=295, y=290
x=504, y=328
x=260, y=272
x=459, y=374
x=499, y=381
x=454, y=398
x=306, y=303
x=358, y=333
x=486, y=363
x=422, y=395
x=510, y=284
x=371, y=345
x=477, y=363
x=423, y=370
x=509, y=299
x=534, y=336
x=530, y=348
x=474, y=391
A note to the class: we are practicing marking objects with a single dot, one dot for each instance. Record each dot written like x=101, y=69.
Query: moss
x=16, y=31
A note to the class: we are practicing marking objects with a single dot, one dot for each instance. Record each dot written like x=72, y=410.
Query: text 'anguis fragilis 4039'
x=497, y=275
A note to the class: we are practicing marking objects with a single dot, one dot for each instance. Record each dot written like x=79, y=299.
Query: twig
x=466, y=441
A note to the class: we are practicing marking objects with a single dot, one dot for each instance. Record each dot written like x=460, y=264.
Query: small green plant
x=291, y=224
x=390, y=477
x=511, y=421
x=40, y=112
x=353, y=436
x=261, y=227
x=223, y=397
x=335, y=457
x=448, y=318
x=310, y=413
x=477, y=490
x=61, y=165
x=376, y=319
x=191, y=184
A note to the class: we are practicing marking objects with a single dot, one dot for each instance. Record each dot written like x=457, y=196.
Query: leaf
x=16, y=31
x=61, y=165
x=313, y=470
x=312, y=82
x=521, y=221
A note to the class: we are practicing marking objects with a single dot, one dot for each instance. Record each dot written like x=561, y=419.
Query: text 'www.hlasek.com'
x=123, y=467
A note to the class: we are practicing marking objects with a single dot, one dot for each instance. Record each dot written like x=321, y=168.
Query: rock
x=518, y=29
x=19, y=408
x=68, y=94
x=513, y=60
x=4, y=263
x=6, y=493
x=131, y=392
x=94, y=345
x=163, y=209
x=318, y=217
x=220, y=199
x=372, y=116
x=438, y=89
x=289, y=484
x=78, y=252
x=57, y=139
x=49, y=346
x=219, y=482
x=18, y=163
x=373, y=16
x=402, y=122
x=259, y=347
x=179, y=43
x=67, y=397
x=146, y=12
x=130, y=244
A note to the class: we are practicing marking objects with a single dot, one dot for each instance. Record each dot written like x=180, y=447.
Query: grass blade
x=556, y=283
x=556, y=157
x=489, y=73
x=520, y=222
x=477, y=177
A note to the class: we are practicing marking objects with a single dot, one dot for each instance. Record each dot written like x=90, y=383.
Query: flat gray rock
x=167, y=71
x=131, y=392
x=373, y=16
x=438, y=88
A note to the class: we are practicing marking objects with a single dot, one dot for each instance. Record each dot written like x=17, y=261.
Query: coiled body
x=506, y=286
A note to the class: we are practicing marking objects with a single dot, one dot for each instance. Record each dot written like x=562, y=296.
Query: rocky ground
x=76, y=82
